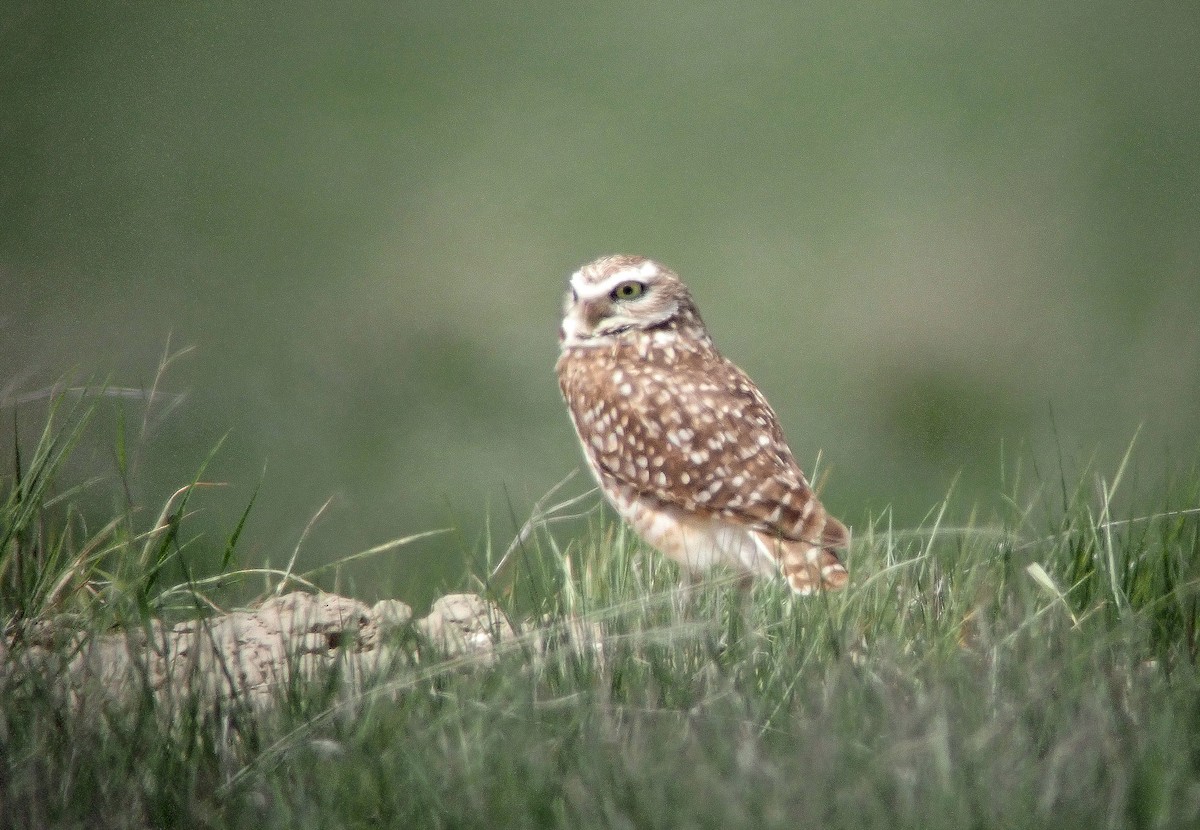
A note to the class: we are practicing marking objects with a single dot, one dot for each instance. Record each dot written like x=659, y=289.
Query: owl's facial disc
x=603, y=305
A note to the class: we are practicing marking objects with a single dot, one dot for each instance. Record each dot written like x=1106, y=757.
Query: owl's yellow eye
x=630, y=290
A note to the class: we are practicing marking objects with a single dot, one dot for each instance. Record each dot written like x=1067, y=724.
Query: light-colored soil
x=249, y=654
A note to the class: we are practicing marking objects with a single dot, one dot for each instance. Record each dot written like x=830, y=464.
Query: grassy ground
x=1033, y=667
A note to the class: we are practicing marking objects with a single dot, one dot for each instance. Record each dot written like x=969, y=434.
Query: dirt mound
x=248, y=654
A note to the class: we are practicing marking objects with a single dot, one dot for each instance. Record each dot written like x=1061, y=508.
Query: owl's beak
x=581, y=320
x=592, y=313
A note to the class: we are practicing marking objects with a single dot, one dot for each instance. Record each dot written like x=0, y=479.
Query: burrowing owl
x=682, y=442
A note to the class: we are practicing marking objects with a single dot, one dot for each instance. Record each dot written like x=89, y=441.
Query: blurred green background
x=930, y=230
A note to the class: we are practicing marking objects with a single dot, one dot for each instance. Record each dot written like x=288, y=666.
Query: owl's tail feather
x=826, y=573
x=811, y=567
x=834, y=534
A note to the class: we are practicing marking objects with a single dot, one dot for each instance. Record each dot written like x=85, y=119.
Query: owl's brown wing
x=690, y=429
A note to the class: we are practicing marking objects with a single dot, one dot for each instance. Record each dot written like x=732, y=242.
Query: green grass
x=1031, y=666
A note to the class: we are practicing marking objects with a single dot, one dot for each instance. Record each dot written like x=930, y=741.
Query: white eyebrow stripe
x=649, y=268
x=588, y=291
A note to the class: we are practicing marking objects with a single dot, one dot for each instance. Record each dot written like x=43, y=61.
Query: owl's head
x=617, y=294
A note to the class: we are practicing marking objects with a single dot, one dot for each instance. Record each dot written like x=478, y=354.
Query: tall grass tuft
x=54, y=559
